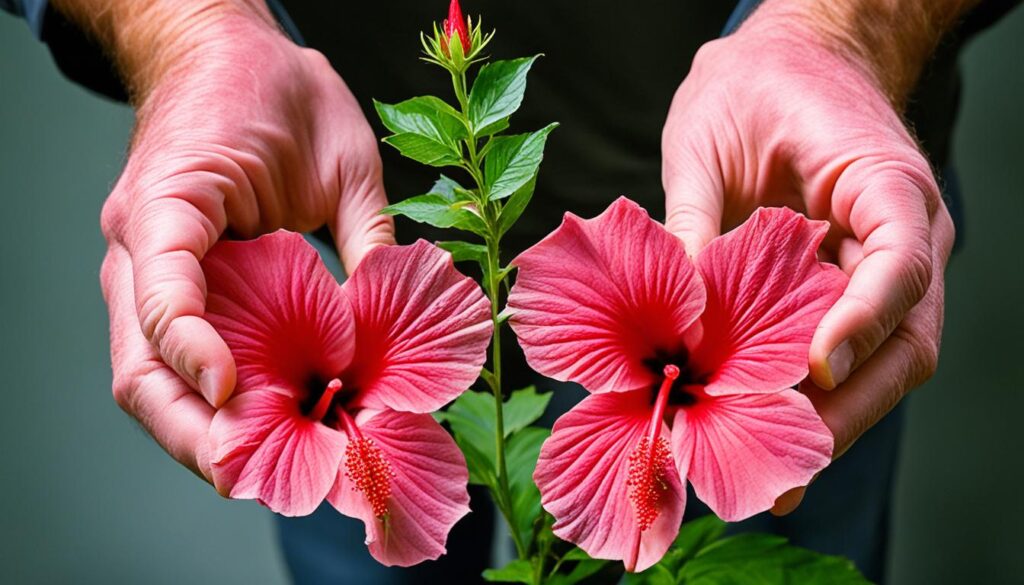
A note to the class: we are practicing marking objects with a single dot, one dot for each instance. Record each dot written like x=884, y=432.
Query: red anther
x=647, y=466
x=370, y=472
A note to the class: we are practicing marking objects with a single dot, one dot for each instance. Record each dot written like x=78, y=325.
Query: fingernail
x=209, y=387
x=840, y=363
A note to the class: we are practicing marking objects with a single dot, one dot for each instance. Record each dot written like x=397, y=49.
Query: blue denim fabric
x=31, y=10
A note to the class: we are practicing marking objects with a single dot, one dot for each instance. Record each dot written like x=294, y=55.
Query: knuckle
x=317, y=59
x=916, y=272
x=686, y=216
x=108, y=275
x=155, y=316
x=922, y=356
x=112, y=216
x=125, y=390
x=128, y=387
x=945, y=232
x=868, y=310
x=707, y=53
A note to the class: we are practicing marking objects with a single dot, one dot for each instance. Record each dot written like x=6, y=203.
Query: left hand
x=776, y=115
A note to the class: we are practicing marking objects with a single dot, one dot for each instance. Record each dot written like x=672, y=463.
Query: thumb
x=358, y=225
x=693, y=197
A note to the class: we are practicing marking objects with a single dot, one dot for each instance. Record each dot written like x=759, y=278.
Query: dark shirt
x=608, y=76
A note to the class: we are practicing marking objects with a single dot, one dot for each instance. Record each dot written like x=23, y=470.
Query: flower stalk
x=494, y=278
x=502, y=168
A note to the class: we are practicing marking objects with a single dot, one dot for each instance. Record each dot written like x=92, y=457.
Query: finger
x=172, y=226
x=358, y=225
x=693, y=193
x=175, y=415
x=890, y=216
x=906, y=360
x=789, y=501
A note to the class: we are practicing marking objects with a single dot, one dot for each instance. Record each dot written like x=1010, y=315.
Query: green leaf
x=447, y=188
x=576, y=554
x=518, y=571
x=769, y=560
x=472, y=414
x=464, y=251
x=436, y=210
x=480, y=465
x=656, y=575
x=513, y=161
x=521, y=452
x=425, y=128
x=424, y=115
x=471, y=417
x=494, y=128
x=694, y=536
x=523, y=408
x=472, y=420
x=423, y=149
x=498, y=91
x=581, y=571
x=515, y=205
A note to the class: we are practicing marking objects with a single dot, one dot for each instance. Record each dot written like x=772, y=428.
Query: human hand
x=788, y=111
x=238, y=131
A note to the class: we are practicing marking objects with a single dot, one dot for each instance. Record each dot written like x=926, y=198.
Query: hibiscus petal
x=766, y=293
x=741, y=452
x=264, y=449
x=422, y=329
x=597, y=298
x=280, y=311
x=428, y=489
x=582, y=473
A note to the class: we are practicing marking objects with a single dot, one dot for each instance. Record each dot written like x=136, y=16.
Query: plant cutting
x=691, y=365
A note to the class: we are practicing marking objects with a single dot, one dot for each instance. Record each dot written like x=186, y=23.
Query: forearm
x=147, y=39
x=893, y=39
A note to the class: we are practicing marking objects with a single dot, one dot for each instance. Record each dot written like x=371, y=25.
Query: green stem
x=494, y=291
x=490, y=211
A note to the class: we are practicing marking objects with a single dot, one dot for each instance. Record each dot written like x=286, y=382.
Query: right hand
x=244, y=132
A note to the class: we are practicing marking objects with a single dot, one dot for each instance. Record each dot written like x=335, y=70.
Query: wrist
x=890, y=41
x=148, y=40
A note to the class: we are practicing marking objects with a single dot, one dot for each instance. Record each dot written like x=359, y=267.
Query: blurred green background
x=85, y=496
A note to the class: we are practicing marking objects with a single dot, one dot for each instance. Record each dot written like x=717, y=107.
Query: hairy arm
x=147, y=38
x=892, y=39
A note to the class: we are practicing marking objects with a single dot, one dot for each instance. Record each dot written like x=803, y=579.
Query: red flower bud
x=455, y=24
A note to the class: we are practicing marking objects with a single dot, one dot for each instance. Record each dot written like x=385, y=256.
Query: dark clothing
x=608, y=76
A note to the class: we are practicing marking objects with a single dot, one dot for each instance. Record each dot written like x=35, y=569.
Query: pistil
x=324, y=402
x=366, y=466
x=671, y=373
x=647, y=466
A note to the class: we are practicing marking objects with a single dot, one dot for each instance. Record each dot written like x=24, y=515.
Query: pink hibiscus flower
x=690, y=365
x=335, y=384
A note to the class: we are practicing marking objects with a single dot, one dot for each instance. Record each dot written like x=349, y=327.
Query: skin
x=801, y=107
x=241, y=131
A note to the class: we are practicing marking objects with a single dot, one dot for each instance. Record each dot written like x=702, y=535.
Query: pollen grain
x=370, y=472
x=646, y=482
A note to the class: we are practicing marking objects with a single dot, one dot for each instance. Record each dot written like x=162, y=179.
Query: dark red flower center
x=687, y=389
x=322, y=404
